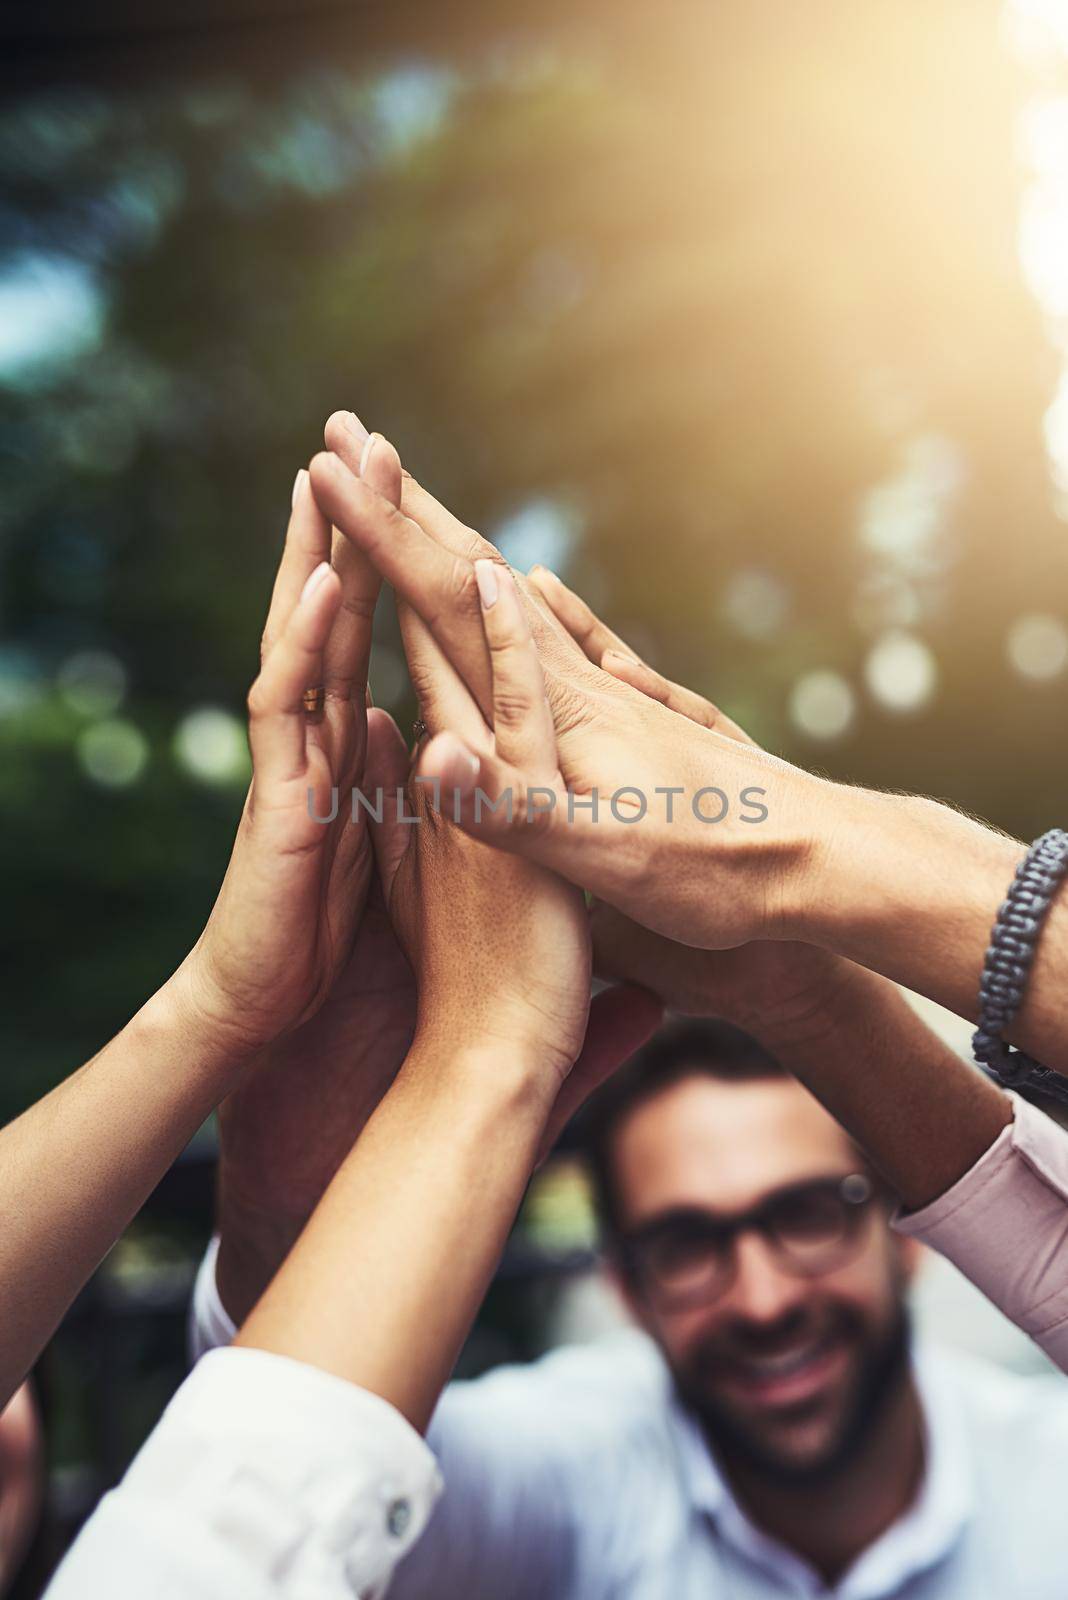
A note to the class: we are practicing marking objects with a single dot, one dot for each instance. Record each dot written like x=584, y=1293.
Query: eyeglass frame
x=754, y=1219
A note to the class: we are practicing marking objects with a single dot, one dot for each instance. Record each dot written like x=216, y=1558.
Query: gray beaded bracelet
x=1008, y=966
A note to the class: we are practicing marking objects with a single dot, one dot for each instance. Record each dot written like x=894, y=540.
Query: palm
x=295, y=1117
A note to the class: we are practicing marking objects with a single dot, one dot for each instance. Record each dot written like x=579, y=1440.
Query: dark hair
x=682, y=1049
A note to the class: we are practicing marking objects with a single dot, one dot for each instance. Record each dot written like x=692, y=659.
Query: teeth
x=781, y=1366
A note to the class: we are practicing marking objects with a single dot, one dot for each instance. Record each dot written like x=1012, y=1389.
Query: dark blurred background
x=748, y=317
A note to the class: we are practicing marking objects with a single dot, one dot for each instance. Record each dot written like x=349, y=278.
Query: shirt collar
x=928, y=1531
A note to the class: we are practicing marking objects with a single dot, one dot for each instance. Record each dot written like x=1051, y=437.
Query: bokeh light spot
x=1037, y=646
x=113, y=753
x=822, y=705
x=755, y=602
x=901, y=672
x=92, y=683
x=211, y=745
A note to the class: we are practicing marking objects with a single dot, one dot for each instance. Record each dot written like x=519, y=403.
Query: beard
x=879, y=1376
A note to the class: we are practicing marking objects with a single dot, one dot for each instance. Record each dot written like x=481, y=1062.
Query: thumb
x=386, y=770
x=620, y=1022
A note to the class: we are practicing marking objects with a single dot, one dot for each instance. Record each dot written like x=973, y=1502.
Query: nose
x=762, y=1292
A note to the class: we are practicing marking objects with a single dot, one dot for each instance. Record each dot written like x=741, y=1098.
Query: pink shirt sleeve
x=1005, y=1225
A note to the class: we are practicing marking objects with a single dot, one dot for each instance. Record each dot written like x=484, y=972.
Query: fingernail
x=297, y=481
x=486, y=577
x=368, y=448
x=355, y=426
x=315, y=580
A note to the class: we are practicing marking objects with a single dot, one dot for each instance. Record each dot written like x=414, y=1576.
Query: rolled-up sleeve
x=1005, y=1225
x=264, y=1477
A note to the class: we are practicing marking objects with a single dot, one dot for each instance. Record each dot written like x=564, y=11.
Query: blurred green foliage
x=725, y=318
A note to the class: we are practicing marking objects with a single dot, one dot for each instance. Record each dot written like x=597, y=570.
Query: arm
x=279, y=1145
x=381, y=1286
x=905, y=886
x=985, y=1177
x=75, y=1167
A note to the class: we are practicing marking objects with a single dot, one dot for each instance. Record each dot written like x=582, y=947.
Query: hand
x=302, y=1103
x=704, y=882
x=282, y=928
x=771, y=988
x=500, y=946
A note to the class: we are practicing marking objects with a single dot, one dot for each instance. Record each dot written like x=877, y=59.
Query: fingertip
x=318, y=582
x=380, y=468
x=325, y=469
x=447, y=758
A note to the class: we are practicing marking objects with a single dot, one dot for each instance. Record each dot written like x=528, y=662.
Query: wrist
x=175, y=1012
x=210, y=1014
x=511, y=1074
x=891, y=874
x=851, y=853
x=811, y=993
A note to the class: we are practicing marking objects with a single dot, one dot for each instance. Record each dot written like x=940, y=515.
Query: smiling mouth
x=789, y=1377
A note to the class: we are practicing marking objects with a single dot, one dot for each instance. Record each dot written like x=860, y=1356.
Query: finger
x=345, y=434
x=439, y=584
x=522, y=722
x=451, y=765
x=385, y=777
x=585, y=627
x=443, y=698
x=673, y=695
x=277, y=719
x=620, y=1022
x=307, y=546
x=348, y=651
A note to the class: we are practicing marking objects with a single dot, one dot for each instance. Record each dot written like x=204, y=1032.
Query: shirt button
x=398, y=1517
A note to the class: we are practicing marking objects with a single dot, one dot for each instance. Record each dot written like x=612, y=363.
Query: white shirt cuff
x=264, y=1477
x=210, y=1324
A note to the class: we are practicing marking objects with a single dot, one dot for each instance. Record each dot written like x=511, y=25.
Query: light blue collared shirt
x=581, y=1478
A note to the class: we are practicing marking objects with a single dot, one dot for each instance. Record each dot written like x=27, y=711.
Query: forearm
x=383, y=1283
x=75, y=1167
x=910, y=888
x=922, y=1114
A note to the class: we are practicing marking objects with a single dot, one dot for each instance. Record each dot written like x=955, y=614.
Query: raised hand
x=717, y=861
x=500, y=946
x=768, y=987
x=301, y=1104
x=282, y=928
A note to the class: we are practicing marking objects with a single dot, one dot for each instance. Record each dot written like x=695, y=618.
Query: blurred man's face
x=787, y=1372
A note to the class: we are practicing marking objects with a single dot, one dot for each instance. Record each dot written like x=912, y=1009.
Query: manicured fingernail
x=355, y=426
x=486, y=577
x=315, y=580
x=297, y=482
x=368, y=449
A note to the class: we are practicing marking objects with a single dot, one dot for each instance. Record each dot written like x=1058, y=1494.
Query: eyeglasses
x=688, y=1257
